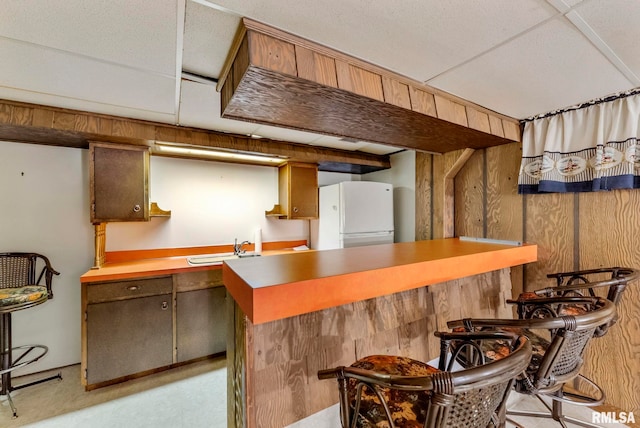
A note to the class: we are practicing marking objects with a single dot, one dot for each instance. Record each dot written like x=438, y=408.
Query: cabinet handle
x=165, y=306
x=133, y=288
x=136, y=208
x=295, y=209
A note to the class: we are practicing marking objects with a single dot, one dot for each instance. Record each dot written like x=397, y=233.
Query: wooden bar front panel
x=273, y=370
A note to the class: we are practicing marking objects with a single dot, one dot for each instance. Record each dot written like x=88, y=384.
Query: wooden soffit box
x=276, y=78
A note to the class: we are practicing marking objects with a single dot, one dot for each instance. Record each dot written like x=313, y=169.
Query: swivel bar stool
x=19, y=289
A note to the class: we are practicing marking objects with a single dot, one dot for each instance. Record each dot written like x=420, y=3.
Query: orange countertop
x=285, y=285
x=145, y=263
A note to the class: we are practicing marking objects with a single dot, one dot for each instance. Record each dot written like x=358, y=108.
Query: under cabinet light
x=222, y=154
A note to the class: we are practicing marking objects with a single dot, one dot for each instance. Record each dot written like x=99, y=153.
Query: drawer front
x=121, y=290
x=190, y=281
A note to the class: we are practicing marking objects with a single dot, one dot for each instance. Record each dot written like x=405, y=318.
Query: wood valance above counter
x=285, y=285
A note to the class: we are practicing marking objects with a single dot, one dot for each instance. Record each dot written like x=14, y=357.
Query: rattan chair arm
x=603, y=314
x=623, y=273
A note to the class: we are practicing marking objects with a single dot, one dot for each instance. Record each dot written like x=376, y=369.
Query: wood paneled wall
x=275, y=364
x=572, y=231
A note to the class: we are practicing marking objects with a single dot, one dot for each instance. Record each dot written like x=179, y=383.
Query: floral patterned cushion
x=562, y=310
x=21, y=295
x=408, y=408
x=497, y=349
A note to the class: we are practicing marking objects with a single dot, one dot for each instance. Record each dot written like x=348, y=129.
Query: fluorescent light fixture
x=216, y=153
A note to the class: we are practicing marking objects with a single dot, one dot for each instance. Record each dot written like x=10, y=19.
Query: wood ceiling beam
x=276, y=78
x=32, y=123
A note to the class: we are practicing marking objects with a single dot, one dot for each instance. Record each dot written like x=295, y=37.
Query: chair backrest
x=469, y=397
x=559, y=357
x=612, y=280
x=19, y=270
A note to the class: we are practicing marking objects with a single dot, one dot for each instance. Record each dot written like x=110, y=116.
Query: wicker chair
x=559, y=329
x=592, y=282
x=21, y=289
x=398, y=392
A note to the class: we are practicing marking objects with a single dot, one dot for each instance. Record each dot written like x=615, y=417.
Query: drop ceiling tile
x=200, y=108
x=285, y=134
x=24, y=96
x=551, y=67
x=38, y=69
x=337, y=143
x=617, y=24
x=417, y=38
x=380, y=149
x=208, y=36
x=141, y=33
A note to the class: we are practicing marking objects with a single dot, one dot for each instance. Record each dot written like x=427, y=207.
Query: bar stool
x=387, y=391
x=19, y=289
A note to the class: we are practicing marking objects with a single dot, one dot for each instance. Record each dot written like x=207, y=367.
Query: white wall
x=211, y=203
x=44, y=208
x=403, y=177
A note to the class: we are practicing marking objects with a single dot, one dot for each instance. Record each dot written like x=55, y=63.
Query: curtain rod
x=590, y=103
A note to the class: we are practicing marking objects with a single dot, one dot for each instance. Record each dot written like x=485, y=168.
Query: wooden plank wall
x=282, y=357
x=572, y=231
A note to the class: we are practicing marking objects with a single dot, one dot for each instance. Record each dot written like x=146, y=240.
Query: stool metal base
x=24, y=356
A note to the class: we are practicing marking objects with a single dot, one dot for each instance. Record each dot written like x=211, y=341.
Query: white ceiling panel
x=208, y=35
x=417, y=38
x=551, y=67
x=617, y=23
x=380, y=149
x=141, y=33
x=285, y=134
x=337, y=143
x=35, y=69
x=200, y=108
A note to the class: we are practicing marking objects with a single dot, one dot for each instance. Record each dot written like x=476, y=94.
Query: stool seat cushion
x=408, y=408
x=21, y=295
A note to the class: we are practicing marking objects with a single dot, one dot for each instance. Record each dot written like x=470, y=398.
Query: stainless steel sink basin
x=210, y=259
x=216, y=259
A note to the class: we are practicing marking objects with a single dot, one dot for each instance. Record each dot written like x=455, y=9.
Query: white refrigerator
x=352, y=214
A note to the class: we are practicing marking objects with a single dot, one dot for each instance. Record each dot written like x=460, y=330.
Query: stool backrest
x=20, y=269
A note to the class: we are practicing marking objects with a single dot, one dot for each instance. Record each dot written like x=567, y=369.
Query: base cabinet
x=139, y=326
x=200, y=323
x=128, y=336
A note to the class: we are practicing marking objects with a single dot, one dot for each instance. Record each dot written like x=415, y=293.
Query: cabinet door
x=303, y=191
x=128, y=336
x=201, y=326
x=119, y=177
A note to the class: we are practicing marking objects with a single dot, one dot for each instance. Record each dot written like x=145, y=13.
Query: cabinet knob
x=165, y=306
x=133, y=288
x=136, y=208
x=295, y=209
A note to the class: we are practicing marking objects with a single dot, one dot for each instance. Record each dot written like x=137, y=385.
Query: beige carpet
x=189, y=396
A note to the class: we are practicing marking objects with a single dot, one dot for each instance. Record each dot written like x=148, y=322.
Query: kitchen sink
x=216, y=259
x=210, y=259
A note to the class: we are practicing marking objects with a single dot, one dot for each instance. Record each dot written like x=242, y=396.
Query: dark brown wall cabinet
x=119, y=182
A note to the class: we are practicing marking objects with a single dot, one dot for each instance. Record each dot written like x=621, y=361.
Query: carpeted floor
x=189, y=396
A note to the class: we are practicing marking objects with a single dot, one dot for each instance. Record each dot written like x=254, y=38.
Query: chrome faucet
x=237, y=248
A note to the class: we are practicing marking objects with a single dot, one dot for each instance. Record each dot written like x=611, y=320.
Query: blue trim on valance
x=598, y=184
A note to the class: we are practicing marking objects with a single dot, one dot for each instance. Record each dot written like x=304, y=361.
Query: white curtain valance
x=583, y=149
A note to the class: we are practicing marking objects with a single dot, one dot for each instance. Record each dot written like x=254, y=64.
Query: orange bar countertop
x=285, y=285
